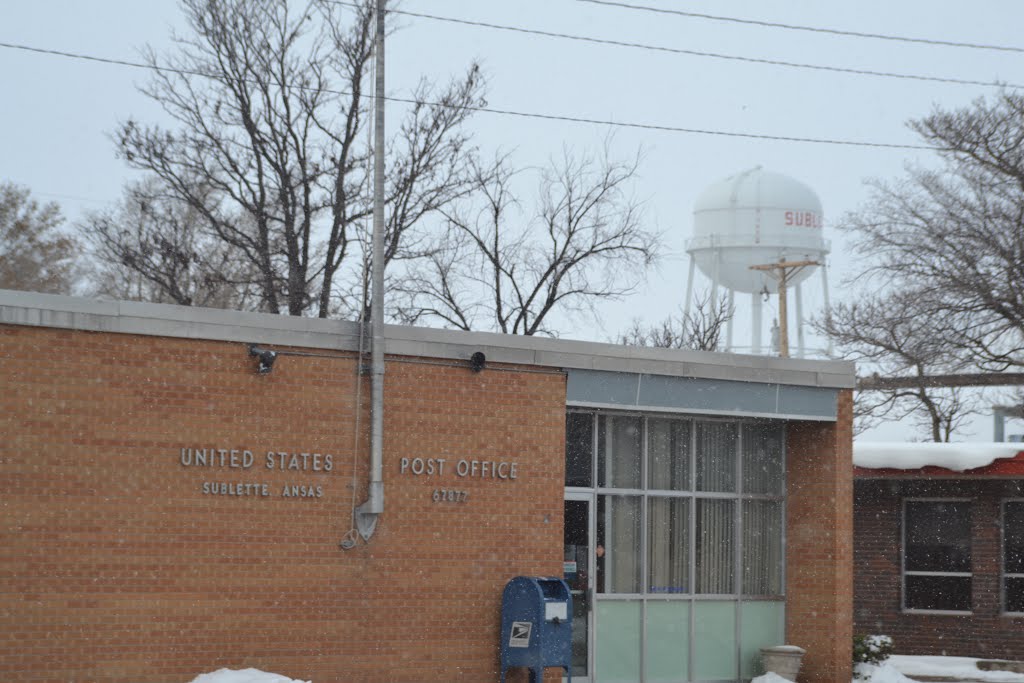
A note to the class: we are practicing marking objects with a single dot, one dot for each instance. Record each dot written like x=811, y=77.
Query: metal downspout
x=369, y=512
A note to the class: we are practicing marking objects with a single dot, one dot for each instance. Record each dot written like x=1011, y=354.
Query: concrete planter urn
x=783, y=660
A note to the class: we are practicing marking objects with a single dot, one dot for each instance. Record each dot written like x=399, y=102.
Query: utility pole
x=783, y=271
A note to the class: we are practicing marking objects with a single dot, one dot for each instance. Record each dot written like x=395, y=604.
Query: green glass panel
x=761, y=625
x=617, y=645
x=714, y=640
x=668, y=641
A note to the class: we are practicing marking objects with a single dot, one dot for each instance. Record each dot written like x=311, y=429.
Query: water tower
x=744, y=227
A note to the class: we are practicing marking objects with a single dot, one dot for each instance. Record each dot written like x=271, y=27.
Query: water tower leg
x=755, y=323
x=714, y=280
x=689, y=290
x=801, y=351
x=728, y=324
x=828, y=307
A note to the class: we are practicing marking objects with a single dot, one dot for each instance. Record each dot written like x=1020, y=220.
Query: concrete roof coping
x=129, y=317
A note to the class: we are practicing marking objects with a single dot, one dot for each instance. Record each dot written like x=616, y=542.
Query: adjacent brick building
x=166, y=510
x=939, y=558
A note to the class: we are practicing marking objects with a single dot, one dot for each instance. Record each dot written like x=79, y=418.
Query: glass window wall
x=689, y=549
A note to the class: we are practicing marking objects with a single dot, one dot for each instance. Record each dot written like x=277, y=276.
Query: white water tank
x=753, y=218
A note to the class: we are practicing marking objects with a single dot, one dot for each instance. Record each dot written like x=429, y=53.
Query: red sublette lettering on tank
x=803, y=219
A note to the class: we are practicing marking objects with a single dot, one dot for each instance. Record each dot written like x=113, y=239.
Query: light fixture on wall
x=477, y=361
x=266, y=358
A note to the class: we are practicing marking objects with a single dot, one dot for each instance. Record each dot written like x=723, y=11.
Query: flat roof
x=165, y=320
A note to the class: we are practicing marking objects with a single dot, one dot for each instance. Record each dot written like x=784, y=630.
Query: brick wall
x=115, y=566
x=819, y=534
x=985, y=633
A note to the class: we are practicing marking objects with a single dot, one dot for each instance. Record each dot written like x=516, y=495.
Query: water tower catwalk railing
x=810, y=243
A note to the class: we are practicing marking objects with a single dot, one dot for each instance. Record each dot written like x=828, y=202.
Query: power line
x=693, y=53
x=54, y=195
x=812, y=29
x=70, y=197
x=503, y=112
x=103, y=60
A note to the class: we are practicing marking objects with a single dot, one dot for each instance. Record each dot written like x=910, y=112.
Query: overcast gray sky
x=56, y=113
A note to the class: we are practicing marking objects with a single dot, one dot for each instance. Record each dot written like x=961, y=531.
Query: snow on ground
x=958, y=457
x=770, y=677
x=244, y=676
x=865, y=673
x=896, y=669
x=951, y=667
x=906, y=669
x=880, y=673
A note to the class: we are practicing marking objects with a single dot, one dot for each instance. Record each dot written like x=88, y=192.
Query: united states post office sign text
x=228, y=460
x=462, y=469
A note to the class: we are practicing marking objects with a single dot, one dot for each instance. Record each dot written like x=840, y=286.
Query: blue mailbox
x=536, y=625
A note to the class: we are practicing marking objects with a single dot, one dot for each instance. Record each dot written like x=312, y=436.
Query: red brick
x=986, y=633
x=115, y=567
x=819, y=535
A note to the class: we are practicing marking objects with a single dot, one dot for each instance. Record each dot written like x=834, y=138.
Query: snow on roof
x=243, y=676
x=958, y=457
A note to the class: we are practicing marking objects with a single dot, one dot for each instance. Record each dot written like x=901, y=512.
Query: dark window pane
x=715, y=546
x=1013, y=538
x=668, y=546
x=762, y=547
x=618, y=451
x=1015, y=594
x=762, y=458
x=939, y=592
x=668, y=448
x=716, y=456
x=618, y=544
x=938, y=537
x=579, y=449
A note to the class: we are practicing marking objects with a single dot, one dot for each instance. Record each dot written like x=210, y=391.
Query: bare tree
x=584, y=242
x=35, y=255
x=269, y=151
x=152, y=247
x=949, y=242
x=699, y=329
x=955, y=236
x=891, y=336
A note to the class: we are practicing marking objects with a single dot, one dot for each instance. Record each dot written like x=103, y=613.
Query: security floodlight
x=477, y=361
x=266, y=358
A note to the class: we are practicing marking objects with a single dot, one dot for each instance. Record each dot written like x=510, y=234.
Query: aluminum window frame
x=644, y=597
x=903, y=556
x=645, y=492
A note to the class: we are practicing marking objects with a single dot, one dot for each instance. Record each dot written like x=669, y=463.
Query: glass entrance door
x=578, y=573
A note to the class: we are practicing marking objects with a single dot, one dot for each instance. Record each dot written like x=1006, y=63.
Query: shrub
x=870, y=650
